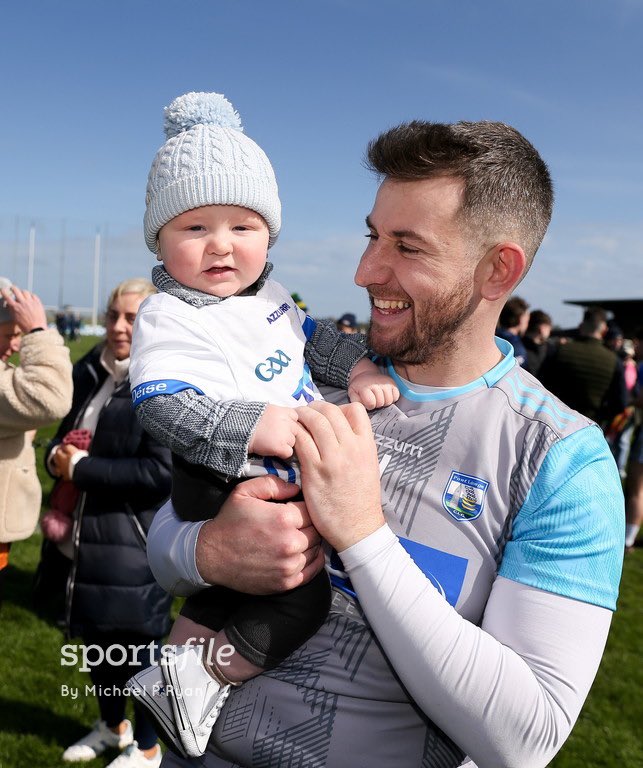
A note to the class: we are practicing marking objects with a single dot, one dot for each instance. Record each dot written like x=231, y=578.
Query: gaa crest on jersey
x=464, y=496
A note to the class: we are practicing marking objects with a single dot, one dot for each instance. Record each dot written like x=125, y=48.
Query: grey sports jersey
x=474, y=480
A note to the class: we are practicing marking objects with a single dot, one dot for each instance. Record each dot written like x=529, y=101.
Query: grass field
x=37, y=722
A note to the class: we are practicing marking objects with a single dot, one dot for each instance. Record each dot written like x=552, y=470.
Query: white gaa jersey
x=248, y=348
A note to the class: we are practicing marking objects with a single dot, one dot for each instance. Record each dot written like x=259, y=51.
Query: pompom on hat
x=208, y=160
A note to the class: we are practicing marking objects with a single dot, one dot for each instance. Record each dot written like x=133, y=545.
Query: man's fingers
x=357, y=418
x=313, y=539
x=313, y=567
x=267, y=488
x=326, y=423
x=305, y=445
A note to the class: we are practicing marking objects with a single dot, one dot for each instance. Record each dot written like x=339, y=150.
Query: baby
x=220, y=359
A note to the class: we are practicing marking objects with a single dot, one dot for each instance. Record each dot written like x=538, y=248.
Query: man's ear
x=501, y=269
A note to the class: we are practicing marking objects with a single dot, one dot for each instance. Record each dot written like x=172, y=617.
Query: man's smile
x=388, y=305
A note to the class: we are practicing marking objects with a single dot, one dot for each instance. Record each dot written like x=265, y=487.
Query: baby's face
x=217, y=249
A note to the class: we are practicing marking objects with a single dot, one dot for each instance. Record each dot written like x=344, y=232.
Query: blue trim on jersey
x=445, y=571
x=160, y=387
x=541, y=402
x=483, y=382
x=568, y=537
x=269, y=464
x=309, y=326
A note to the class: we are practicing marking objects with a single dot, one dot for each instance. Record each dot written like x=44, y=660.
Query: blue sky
x=84, y=85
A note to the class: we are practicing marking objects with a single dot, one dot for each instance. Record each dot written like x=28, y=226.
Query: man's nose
x=372, y=268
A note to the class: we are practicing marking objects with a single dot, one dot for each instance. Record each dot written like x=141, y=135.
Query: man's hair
x=593, y=320
x=508, y=192
x=513, y=310
x=538, y=318
x=138, y=285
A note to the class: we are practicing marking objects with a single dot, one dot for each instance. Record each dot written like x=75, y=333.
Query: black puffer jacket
x=123, y=481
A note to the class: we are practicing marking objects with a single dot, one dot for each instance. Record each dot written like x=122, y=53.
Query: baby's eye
x=196, y=228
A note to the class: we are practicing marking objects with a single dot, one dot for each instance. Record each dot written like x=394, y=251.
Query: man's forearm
x=171, y=551
x=530, y=687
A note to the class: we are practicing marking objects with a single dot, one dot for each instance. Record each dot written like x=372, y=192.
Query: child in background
x=220, y=360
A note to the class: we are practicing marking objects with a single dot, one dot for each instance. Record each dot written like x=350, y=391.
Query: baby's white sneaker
x=196, y=697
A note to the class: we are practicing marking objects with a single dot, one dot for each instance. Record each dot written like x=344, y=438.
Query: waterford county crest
x=464, y=495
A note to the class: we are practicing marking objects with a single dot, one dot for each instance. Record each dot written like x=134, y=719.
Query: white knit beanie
x=208, y=160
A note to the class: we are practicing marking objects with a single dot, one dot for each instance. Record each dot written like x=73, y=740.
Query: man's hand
x=26, y=307
x=258, y=546
x=339, y=472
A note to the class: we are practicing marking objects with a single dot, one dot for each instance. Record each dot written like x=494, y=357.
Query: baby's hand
x=275, y=432
x=370, y=387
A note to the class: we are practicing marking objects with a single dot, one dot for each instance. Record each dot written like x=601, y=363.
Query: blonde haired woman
x=121, y=478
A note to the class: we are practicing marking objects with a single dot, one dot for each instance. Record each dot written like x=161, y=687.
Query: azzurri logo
x=278, y=313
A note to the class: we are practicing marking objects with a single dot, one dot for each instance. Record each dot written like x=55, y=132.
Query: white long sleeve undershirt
x=508, y=692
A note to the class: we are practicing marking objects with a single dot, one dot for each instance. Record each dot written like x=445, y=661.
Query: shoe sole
x=182, y=722
x=164, y=725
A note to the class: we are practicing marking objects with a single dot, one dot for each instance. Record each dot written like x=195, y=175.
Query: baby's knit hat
x=5, y=313
x=208, y=160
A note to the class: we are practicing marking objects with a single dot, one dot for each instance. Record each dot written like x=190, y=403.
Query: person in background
x=620, y=432
x=585, y=374
x=536, y=340
x=512, y=325
x=613, y=338
x=634, y=482
x=627, y=354
x=33, y=394
x=347, y=323
x=122, y=478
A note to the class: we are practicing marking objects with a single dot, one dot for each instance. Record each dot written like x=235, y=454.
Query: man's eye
x=371, y=236
x=406, y=249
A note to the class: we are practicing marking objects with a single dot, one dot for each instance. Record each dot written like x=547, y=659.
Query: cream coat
x=32, y=395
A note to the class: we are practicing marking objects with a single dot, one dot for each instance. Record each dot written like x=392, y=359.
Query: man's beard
x=431, y=334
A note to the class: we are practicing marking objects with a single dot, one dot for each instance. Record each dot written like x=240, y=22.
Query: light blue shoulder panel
x=568, y=536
